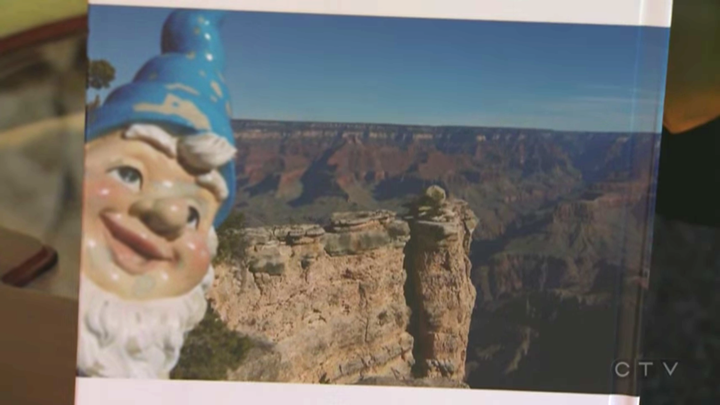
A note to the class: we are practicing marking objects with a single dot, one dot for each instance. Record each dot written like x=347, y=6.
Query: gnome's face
x=147, y=217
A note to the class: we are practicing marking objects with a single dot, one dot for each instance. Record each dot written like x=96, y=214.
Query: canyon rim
x=431, y=256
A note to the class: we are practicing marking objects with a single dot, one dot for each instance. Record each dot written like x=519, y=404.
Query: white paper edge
x=656, y=13
x=94, y=391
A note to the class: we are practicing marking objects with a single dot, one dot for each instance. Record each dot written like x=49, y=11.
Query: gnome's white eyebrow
x=205, y=152
x=155, y=136
x=215, y=183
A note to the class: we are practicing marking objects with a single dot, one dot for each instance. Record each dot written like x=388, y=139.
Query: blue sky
x=417, y=71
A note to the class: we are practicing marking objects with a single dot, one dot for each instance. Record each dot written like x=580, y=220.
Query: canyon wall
x=562, y=220
x=334, y=304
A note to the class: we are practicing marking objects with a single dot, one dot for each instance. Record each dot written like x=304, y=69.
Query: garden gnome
x=159, y=178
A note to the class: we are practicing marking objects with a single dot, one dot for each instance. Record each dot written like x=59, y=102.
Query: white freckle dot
x=167, y=184
x=191, y=246
x=92, y=243
x=115, y=277
x=174, y=208
x=164, y=276
x=104, y=192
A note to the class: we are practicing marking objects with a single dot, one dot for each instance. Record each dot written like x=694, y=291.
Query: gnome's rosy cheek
x=99, y=191
x=104, y=190
x=195, y=249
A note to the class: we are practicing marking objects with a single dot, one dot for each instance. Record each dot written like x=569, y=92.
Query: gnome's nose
x=166, y=217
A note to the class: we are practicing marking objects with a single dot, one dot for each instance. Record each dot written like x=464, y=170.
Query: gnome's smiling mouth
x=133, y=251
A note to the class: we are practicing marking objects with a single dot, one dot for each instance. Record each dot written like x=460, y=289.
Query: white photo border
x=654, y=13
x=106, y=391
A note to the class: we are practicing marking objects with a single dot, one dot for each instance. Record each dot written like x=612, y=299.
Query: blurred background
x=43, y=71
x=42, y=103
x=682, y=307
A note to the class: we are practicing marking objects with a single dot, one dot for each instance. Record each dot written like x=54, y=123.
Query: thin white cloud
x=615, y=100
x=617, y=89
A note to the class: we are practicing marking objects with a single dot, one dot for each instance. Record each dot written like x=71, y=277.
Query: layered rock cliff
x=442, y=292
x=333, y=304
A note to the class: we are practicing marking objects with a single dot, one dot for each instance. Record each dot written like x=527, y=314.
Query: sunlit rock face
x=334, y=304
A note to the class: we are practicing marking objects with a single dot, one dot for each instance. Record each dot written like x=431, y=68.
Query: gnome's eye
x=193, y=218
x=129, y=176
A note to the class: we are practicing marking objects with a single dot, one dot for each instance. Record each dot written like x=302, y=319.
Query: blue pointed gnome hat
x=182, y=89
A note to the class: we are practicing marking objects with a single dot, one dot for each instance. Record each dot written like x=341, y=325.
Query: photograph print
x=327, y=199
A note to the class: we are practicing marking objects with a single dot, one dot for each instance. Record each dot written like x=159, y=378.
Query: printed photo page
x=360, y=202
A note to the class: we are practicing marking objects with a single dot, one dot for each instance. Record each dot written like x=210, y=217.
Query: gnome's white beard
x=135, y=339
